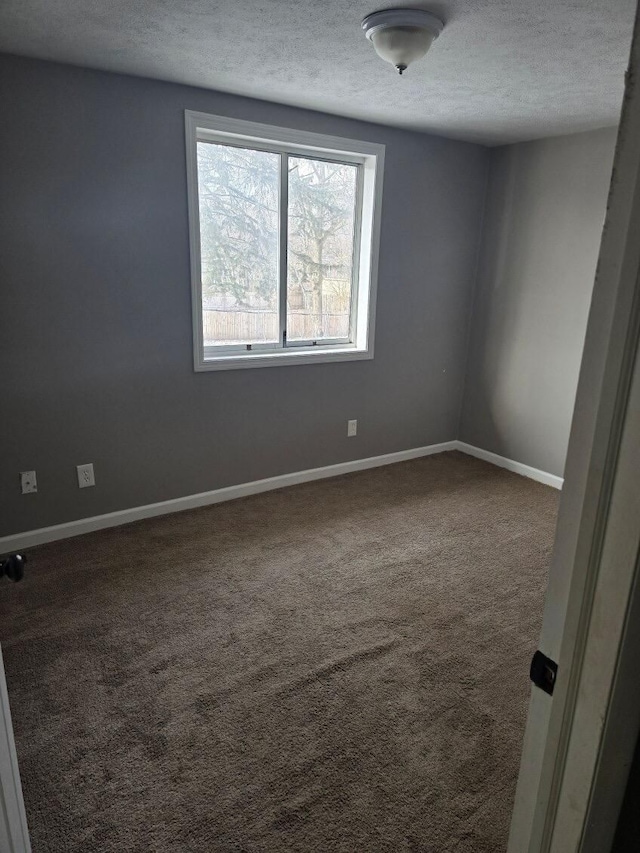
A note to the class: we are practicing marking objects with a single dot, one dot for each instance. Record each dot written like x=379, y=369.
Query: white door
x=596, y=550
x=14, y=835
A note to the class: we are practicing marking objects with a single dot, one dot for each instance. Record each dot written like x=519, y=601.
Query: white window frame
x=369, y=157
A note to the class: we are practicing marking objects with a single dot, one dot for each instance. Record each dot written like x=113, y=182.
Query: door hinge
x=543, y=672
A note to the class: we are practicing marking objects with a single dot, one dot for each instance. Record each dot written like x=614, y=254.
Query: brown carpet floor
x=338, y=666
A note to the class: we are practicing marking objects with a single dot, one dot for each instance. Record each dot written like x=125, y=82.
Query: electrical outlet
x=352, y=428
x=85, y=475
x=28, y=482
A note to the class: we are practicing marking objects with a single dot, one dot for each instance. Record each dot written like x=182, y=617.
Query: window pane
x=322, y=203
x=238, y=193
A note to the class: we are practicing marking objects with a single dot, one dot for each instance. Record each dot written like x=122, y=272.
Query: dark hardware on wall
x=543, y=672
x=13, y=567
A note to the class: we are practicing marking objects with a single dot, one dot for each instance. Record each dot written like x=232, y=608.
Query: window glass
x=320, y=249
x=238, y=191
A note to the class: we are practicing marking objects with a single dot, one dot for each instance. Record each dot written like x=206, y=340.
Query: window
x=284, y=240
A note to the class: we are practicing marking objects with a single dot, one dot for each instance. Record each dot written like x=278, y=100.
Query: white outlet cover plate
x=86, y=476
x=352, y=428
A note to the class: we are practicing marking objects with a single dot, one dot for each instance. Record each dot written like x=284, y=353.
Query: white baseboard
x=518, y=467
x=30, y=538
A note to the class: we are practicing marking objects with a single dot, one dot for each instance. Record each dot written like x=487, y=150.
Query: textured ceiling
x=502, y=70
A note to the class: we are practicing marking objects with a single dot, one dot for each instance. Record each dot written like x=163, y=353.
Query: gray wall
x=95, y=323
x=541, y=237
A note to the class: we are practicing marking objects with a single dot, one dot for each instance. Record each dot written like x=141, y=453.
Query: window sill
x=317, y=355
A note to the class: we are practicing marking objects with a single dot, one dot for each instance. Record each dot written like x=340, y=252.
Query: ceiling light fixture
x=400, y=36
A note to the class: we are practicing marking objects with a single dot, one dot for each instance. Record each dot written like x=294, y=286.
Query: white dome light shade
x=400, y=36
x=401, y=45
